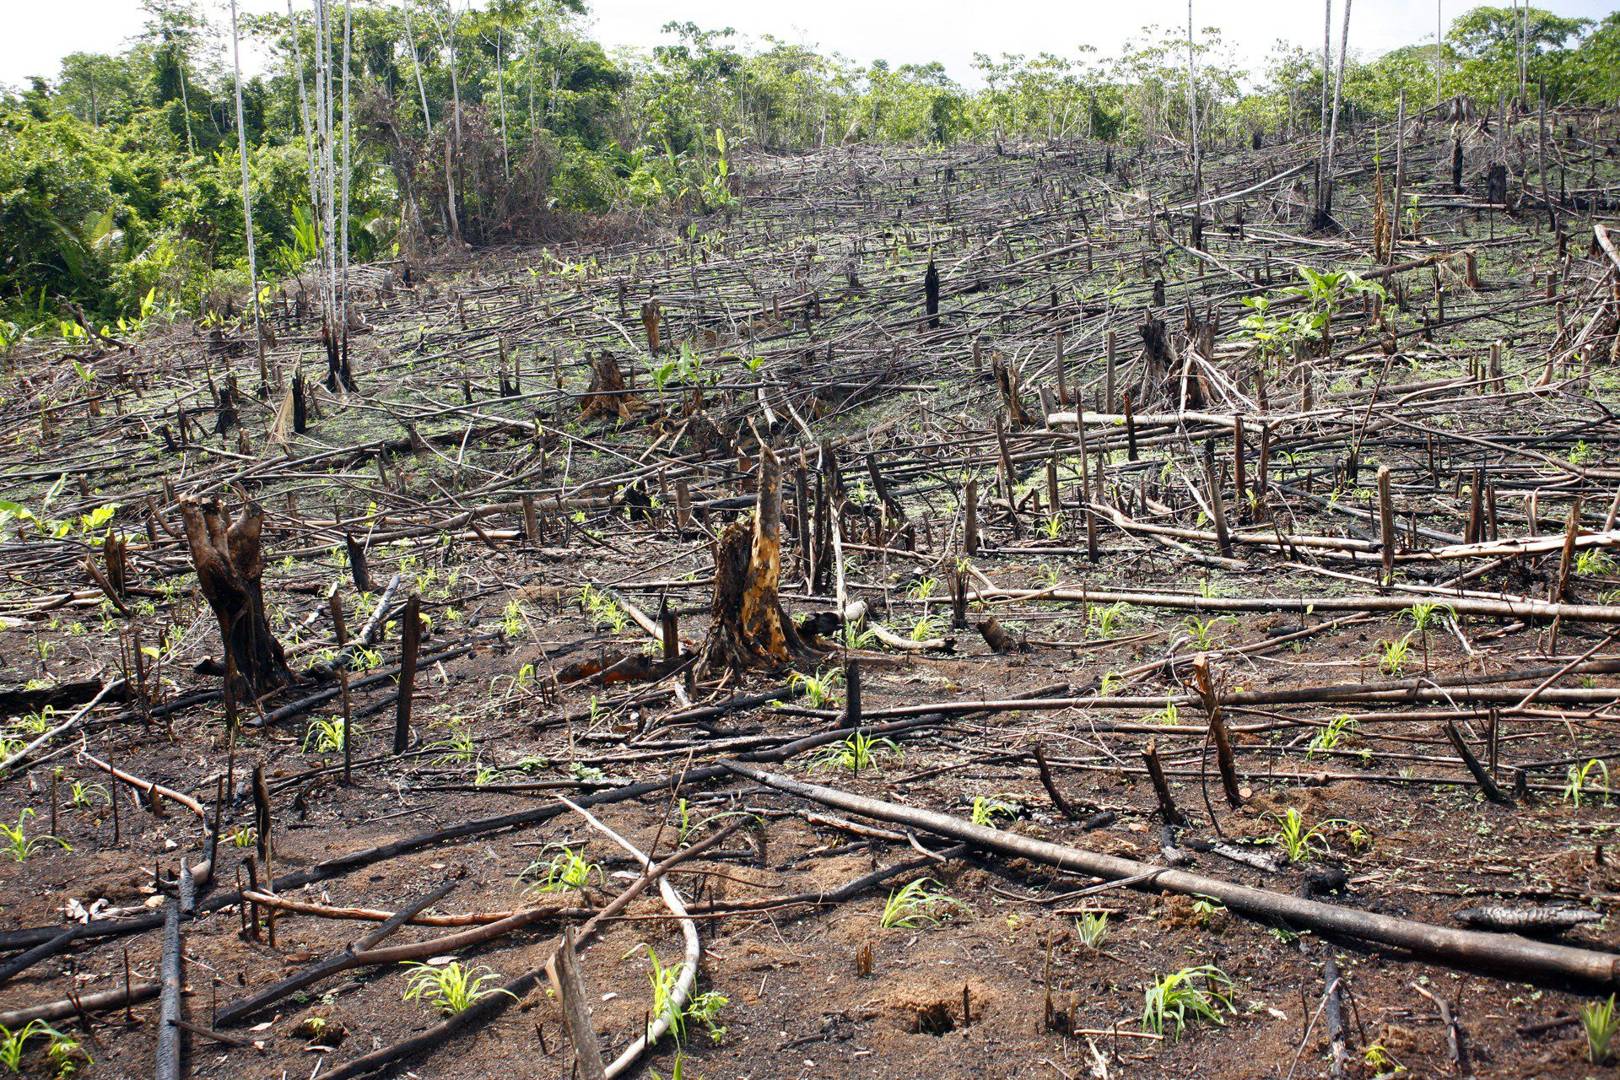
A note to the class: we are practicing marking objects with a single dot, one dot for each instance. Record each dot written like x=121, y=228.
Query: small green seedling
x=916, y=904
x=565, y=871
x=1600, y=1022
x=986, y=810
x=818, y=688
x=1298, y=841
x=450, y=988
x=858, y=753
x=1392, y=655
x=82, y=794
x=1181, y=997
x=1093, y=929
x=1328, y=739
x=326, y=735
x=1579, y=777
x=15, y=842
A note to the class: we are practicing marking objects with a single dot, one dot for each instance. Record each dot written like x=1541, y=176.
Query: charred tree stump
x=749, y=629
x=1496, y=186
x=338, y=372
x=607, y=394
x=230, y=563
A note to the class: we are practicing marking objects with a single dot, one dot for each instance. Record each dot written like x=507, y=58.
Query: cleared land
x=1133, y=499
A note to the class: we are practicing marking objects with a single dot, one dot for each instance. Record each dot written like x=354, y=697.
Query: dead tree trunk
x=229, y=564
x=931, y=295
x=749, y=628
x=607, y=395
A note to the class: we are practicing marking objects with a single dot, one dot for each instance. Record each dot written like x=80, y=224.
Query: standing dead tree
x=230, y=563
x=750, y=629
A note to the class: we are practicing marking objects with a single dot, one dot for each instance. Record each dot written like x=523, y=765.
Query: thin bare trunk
x=1327, y=67
x=343, y=293
x=247, y=199
x=500, y=97
x=185, y=101
x=1438, y=93
x=1333, y=116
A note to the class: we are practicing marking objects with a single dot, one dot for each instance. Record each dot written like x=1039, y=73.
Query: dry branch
x=1517, y=957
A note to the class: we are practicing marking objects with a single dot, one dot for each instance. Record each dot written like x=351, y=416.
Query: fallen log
x=1522, y=608
x=134, y=994
x=170, y=1046
x=1518, y=956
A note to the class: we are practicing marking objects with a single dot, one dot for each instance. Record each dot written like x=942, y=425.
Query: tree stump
x=230, y=563
x=650, y=315
x=607, y=394
x=749, y=629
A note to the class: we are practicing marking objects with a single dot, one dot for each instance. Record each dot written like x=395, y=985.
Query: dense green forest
x=121, y=180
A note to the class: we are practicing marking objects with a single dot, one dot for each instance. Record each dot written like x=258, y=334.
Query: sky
x=36, y=35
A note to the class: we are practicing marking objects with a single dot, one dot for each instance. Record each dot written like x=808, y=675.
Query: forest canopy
x=120, y=180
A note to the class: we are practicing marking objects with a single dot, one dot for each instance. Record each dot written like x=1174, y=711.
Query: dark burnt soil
x=797, y=1002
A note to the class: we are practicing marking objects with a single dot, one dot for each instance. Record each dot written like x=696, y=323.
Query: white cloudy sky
x=34, y=35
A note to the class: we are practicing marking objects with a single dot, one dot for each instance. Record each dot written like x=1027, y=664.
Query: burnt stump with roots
x=749, y=630
x=229, y=561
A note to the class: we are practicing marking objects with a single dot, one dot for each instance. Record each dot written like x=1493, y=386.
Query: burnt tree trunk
x=749, y=628
x=230, y=563
x=931, y=295
x=607, y=395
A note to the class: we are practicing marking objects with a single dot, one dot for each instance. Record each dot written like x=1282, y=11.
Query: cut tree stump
x=749, y=629
x=229, y=563
x=607, y=395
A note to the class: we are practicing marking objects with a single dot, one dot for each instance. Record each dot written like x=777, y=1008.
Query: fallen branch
x=1519, y=956
x=134, y=994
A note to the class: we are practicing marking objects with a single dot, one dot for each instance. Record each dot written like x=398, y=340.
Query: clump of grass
x=1105, y=622
x=818, y=688
x=663, y=980
x=1299, y=841
x=1192, y=994
x=64, y=1054
x=1167, y=715
x=1093, y=928
x=566, y=870
x=916, y=904
x=325, y=735
x=856, y=754
x=1594, y=563
x=458, y=747
x=18, y=845
x=1329, y=738
x=82, y=794
x=986, y=810
x=604, y=611
x=927, y=627
x=1201, y=632
x=1601, y=1024
x=1392, y=655
x=450, y=988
